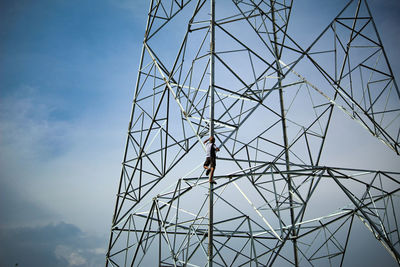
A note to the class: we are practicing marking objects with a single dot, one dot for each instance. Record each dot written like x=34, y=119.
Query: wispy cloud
x=51, y=245
x=51, y=166
x=28, y=126
x=54, y=169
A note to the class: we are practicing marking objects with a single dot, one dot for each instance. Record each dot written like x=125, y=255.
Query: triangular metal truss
x=273, y=102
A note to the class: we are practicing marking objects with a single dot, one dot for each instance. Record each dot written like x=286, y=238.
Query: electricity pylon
x=234, y=71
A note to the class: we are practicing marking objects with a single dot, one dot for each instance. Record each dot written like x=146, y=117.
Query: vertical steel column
x=284, y=130
x=211, y=95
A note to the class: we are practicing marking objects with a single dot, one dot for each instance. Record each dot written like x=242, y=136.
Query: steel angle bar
x=229, y=236
x=291, y=190
x=162, y=226
x=395, y=220
x=361, y=64
x=198, y=245
x=378, y=237
x=342, y=108
x=155, y=151
x=383, y=50
x=180, y=209
x=262, y=14
x=261, y=58
x=232, y=94
x=347, y=211
x=378, y=128
x=176, y=99
x=253, y=250
x=115, y=229
x=147, y=36
x=358, y=32
x=338, y=215
x=219, y=123
x=381, y=236
x=185, y=245
x=241, y=212
x=330, y=238
x=116, y=210
x=258, y=212
x=184, y=230
x=136, y=166
x=374, y=210
x=142, y=234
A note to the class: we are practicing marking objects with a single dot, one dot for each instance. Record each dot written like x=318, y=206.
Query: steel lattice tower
x=236, y=73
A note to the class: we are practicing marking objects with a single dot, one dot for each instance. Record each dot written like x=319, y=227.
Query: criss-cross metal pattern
x=276, y=201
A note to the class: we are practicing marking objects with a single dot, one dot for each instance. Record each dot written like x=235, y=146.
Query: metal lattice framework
x=238, y=74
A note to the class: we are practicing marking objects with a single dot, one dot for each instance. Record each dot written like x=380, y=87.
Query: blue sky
x=67, y=74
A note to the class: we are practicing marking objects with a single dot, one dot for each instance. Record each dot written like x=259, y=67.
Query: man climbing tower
x=210, y=162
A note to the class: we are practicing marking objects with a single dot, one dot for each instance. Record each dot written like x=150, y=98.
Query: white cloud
x=26, y=129
x=65, y=167
x=98, y=251
x=73, y=257
x=51, y=245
